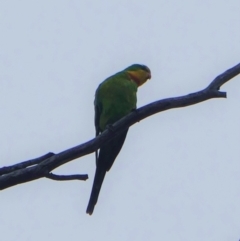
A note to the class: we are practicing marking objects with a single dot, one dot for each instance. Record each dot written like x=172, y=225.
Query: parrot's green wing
x=97, y=117
x=97, y=109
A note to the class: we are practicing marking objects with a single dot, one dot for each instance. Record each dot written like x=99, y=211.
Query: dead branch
x=21, y=165
x=66, y=177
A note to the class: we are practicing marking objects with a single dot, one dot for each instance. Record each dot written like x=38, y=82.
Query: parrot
x=115, y=97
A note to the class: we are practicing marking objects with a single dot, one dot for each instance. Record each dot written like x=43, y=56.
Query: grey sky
x=178, y=174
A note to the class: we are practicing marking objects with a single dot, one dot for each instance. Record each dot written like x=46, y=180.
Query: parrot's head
x=139, y=73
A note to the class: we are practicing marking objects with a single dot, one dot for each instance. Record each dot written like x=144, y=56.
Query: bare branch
x=21, y=165
x=55, y=177
x=43, y=168
x=224, y=77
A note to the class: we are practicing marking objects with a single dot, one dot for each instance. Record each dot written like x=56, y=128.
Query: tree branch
x=43, y=168
x=21, y=165
x=66, y=178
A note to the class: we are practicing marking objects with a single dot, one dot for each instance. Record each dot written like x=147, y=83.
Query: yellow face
x=140, y=76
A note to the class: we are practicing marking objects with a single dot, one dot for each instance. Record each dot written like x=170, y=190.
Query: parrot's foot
x=135, y=111
x=110, y=127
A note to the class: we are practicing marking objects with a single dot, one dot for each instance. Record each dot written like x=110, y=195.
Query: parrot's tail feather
x=104, y=161
x=97, y=183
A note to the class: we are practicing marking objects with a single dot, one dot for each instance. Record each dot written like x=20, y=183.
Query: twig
x=55, y=177
x=22, y=165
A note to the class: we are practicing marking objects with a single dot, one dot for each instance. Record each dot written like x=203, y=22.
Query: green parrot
x=114, y=98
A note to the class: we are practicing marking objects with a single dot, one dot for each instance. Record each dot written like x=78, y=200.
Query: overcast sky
x=178, y=174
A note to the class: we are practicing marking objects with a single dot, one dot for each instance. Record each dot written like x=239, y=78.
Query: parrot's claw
x=135, y=111
x=110, y=127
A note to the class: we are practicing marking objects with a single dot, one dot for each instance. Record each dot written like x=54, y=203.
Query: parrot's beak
x=149, y=76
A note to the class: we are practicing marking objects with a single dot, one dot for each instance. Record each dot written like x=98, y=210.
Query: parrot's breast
x=117, y=98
